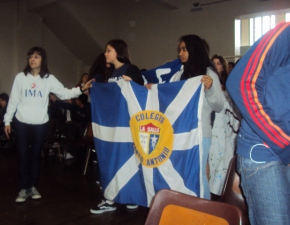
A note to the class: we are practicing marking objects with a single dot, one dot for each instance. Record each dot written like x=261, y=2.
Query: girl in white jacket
x=29, y=102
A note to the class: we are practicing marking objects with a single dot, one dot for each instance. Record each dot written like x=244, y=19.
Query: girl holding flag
x=117, y=55
x=193, y=55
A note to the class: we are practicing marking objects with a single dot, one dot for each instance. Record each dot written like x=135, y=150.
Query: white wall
x=8, y=48
x=99, y=17
x=19, y=31
x=151, y=31
x=155, y=37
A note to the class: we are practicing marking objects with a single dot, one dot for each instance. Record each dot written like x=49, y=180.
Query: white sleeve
x=14, y=100
x=214, y=95
x=60, y=91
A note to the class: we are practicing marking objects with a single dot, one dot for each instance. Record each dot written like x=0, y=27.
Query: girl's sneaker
x=104, y=206
x=130, y=206
x=22, y=195
x=34, y=193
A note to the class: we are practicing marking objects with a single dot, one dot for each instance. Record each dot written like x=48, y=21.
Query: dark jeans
x=29, y=141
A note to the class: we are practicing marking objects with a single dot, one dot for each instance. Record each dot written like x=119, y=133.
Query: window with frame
x=249, y=28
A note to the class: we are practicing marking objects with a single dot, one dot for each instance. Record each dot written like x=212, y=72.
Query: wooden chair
x=171, y=207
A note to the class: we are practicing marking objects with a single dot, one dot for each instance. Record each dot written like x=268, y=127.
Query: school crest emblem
x=153, y=137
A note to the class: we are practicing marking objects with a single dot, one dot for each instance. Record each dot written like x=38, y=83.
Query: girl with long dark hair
x=193, y=54
x=225, y=127
x=221, y=66
x=117, y=55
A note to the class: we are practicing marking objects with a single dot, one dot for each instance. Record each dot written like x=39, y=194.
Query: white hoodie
x=30, y=95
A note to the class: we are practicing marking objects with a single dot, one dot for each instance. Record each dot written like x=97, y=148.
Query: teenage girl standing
x=29, y=101
x=117, y=55
x=193, y=54
x=224, y=131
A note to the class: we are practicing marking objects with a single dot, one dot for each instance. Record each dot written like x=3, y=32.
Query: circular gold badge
x=153, y=137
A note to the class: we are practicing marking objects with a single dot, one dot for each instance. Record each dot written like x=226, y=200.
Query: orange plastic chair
x=171, y=207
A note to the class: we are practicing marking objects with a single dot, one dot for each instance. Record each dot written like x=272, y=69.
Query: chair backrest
x=89, y=132
x=232, y=192
x=172, y=207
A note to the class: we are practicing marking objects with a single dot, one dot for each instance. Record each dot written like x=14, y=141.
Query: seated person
x=83, y=112
x=55, y=111
x=4, y=98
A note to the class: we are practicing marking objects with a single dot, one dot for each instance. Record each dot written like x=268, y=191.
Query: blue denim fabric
x=29, y=141
x=267, y=190
x=206, y=142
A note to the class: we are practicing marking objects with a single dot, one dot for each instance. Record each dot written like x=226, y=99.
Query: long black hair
x=122, y=51
x=81, y=78
x=43, y=68
x=99, y=69
x=198, y=58
x=224, y=74
x=5, y=97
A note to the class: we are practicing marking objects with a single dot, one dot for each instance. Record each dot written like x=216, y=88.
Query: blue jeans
x=267, y=190
x=206, y=142
x=29, y=142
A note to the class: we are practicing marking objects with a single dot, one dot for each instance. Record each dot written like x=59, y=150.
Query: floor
x=67, y=195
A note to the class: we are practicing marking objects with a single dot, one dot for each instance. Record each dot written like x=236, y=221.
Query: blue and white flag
x=148, y=140
x=163, y=73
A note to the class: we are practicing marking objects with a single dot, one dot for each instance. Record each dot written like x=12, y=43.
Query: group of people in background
x=33, y=88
